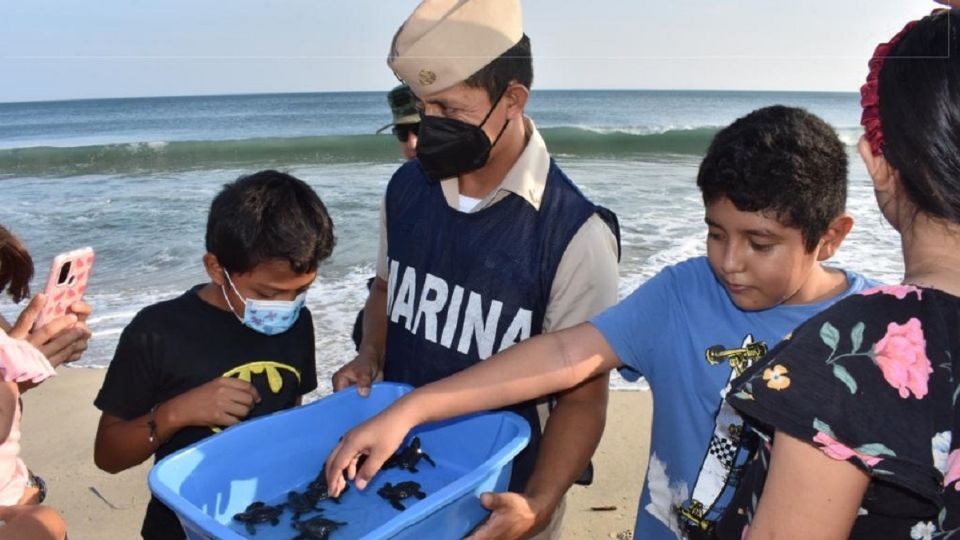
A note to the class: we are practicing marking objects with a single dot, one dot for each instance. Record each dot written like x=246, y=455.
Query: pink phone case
x=69, y=274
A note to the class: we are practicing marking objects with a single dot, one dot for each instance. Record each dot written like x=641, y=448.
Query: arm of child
x=543, y=365
x=122, y=444
x=362, y=370
x=807, y=495
x=9, y=393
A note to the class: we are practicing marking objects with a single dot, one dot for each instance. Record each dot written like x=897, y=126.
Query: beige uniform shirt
x=586, y=280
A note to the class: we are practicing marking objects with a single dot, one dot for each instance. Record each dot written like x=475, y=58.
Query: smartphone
x=69, y=274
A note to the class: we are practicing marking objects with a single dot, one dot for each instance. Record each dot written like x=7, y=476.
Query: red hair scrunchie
x=870, y=92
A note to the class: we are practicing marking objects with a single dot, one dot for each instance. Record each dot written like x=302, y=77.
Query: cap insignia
x=427, y=77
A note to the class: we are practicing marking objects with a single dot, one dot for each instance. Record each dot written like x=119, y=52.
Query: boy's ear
x=830, y=242
x=516, y=97
x=213, y=268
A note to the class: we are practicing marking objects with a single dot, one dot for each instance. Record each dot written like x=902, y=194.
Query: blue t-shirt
x=681, y=332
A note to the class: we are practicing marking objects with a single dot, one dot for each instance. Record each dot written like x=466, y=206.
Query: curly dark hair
x=514, y=65
x=16, y=266
x=266, y=216
x=920, y=113
x=781, y=160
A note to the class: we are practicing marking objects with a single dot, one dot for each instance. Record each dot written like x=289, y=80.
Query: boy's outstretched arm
x=121, y=444
x=543, y=365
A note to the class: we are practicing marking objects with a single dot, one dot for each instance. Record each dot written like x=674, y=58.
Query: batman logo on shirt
x=272, y=372
x=263, y=367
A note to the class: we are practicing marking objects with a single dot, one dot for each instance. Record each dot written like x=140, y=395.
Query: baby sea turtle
x=397, y=492
x=407, y=458
x=257, y=513
x=316, y=528
x=301, y=503
x=317, y=490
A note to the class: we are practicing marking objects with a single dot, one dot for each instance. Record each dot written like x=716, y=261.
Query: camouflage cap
x=403, y=104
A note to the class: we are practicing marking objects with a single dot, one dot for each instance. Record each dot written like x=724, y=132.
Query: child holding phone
x=20, y=364
x=60, y=338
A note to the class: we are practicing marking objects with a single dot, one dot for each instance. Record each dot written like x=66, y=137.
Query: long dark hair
x=920, y=112
x=16, y=266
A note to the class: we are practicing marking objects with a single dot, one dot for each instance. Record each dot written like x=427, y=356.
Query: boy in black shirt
x=237, y=347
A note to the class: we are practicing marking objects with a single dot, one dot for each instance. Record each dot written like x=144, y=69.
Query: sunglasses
x=402, y=131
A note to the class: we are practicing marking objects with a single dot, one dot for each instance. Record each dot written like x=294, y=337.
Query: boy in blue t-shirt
x=774, y=186
x=236, y=347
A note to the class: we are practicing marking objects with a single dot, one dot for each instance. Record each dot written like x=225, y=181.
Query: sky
x=78, y=49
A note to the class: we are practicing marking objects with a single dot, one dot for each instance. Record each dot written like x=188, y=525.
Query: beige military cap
x=444, y=42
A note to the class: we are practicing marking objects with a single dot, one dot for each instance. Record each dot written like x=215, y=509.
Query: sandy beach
x=59, y=423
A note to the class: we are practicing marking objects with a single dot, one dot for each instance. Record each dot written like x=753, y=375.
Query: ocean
x=134, y=178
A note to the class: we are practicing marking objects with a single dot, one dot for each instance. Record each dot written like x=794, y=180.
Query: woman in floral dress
x=855, y=413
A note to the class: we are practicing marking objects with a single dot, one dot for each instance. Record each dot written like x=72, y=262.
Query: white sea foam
x=644, y=129
x=850, y=136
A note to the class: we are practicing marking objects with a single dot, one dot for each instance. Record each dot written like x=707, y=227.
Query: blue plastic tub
x=263, y=459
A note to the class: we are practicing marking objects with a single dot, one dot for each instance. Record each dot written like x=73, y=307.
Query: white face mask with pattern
x=269, y=317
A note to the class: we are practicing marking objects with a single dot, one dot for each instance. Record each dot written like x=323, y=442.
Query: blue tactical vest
x=464, y=286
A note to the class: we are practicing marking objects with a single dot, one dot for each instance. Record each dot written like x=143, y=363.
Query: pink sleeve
x=20, y=361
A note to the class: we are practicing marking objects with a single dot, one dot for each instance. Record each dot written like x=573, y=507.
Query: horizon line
x=534, y=90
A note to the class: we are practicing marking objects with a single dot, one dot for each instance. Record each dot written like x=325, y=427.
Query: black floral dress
x=872, y=380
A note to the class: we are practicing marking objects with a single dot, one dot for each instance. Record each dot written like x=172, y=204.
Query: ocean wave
x=153, y=156
x=159, y=156
x=156, y=156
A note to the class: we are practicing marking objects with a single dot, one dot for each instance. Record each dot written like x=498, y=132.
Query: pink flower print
x=953, y=470
x=902, y=356
x=838, y=451
x=745, y=533
x=900, y=291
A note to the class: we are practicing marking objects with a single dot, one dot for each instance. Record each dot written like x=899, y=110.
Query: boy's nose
x=732, y=260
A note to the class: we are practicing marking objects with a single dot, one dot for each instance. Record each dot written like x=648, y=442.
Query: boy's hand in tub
x=378, y=438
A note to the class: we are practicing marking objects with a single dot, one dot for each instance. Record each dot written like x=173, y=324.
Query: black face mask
x=448, y=147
